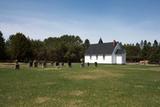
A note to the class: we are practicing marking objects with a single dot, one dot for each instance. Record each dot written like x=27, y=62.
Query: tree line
x=143, y=51
x=57, y=49
x=67, y=48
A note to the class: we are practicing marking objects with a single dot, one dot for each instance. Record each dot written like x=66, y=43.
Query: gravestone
x=57, y=64
x=69, y=64
x=44, y=64
x=82, y=64
x=35, y=63
x=62, y=64
x=96, y=64
x=39, y=63
x=52, y=63
x=88, y=64
x=30, y=63
x=17, y=66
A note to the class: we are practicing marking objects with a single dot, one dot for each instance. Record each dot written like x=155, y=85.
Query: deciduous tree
x=19, y=47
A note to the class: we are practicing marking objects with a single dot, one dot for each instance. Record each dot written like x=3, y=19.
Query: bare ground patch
x=50, y=83
x=95, y=75
x=73, y=103
x=71, y=93
x=53, y=69
x=76, y=93
x=145, y=69
x=139, y=86
x=40, y=100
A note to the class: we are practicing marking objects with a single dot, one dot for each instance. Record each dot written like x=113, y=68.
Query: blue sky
x=128, y=21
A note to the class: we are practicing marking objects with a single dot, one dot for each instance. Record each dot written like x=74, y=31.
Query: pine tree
x=2, y=46
x=154, y=53
x=155, y=44
x=145, y=51
x=86, y=44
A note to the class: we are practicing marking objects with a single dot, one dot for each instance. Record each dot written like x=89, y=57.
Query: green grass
x=104, y=86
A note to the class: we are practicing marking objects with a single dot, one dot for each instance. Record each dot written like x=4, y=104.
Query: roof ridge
x=103, y=43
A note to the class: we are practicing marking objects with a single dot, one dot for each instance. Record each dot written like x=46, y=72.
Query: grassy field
x=104, y=86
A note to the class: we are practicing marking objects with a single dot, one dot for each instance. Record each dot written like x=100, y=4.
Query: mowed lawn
x=104, y=86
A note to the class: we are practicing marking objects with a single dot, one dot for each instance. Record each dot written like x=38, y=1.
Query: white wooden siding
x=87, y=59
x=119, y=59
x=99, y=59
x=108, y=59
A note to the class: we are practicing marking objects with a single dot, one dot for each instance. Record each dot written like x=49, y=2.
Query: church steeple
x=100, y=41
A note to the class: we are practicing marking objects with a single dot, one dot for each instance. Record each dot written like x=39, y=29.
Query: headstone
x=62, y=64
x=57, y=63
x=95, y=64
x=88, y=64
x=69, y=64
x=82, y=64
x=35, y=63
x=44, y=64
x=40, y=63
x=17, y=66
x=52, y=63
x=30, y=63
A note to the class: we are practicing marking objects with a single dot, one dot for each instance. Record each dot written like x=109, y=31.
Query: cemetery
x=77, y=84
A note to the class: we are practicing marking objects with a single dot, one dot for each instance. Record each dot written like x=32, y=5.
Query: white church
x=106, y=53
